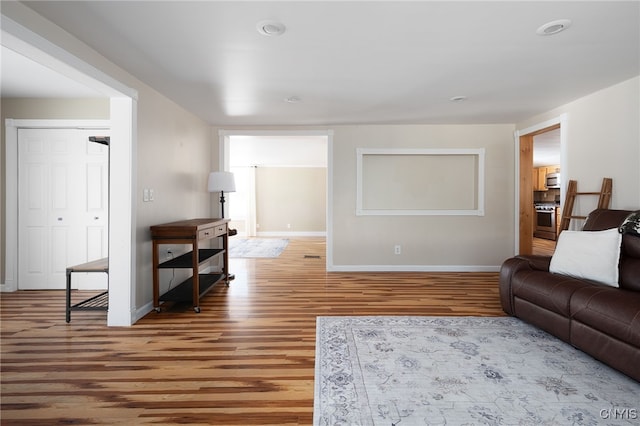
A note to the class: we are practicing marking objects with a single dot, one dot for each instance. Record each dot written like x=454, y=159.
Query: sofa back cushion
x=629, y=272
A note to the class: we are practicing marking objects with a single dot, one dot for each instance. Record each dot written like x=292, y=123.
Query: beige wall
x=174, y=159
x=294, y=196
x=603, y=140
x=428, y=242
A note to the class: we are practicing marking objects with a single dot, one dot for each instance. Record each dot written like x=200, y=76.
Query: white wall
x=603, y=140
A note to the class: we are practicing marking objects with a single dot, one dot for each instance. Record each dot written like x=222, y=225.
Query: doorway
x=526, y=217
x=297, y=150
x=62, y=206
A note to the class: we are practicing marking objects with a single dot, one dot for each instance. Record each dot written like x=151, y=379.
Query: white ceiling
x=24, y=78
x=361, y=62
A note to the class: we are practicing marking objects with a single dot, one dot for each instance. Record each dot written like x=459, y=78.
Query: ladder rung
x=603, y=201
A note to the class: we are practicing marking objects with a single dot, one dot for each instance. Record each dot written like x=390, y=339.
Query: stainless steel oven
x=545, y=222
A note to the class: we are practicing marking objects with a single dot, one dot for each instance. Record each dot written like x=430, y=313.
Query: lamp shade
x=221, y=181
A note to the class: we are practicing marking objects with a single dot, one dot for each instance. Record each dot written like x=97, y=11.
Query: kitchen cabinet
x=540, y=176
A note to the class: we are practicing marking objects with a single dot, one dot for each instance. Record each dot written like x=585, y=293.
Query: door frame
x=224, y=162
x=98, y=125
x=524, y=220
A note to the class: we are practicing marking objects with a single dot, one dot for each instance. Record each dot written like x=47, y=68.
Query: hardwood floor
x=543, y=247
x=246, y=359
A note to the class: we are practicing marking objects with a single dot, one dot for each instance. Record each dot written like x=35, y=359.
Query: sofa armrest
x=513, y=265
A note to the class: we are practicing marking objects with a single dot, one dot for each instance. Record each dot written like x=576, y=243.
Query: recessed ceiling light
x=553, y=27
x=458, y=99
x=270, y=28
x=292, y=100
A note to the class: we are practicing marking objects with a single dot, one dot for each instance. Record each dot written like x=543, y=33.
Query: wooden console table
x=194, y=232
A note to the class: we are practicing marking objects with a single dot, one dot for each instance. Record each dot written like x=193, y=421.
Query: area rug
x=461, y=371
x=256, y=247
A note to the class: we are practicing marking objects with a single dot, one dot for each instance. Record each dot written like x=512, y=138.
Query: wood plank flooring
x=543, y=247
x=246, y=359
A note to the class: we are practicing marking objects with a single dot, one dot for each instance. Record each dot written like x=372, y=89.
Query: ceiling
x=24, y=78
x=355, y=62
x=546, y=149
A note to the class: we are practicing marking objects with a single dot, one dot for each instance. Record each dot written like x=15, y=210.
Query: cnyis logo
x=617, y=413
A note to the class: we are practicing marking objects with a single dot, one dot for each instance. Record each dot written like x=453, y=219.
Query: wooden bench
x=99, y=302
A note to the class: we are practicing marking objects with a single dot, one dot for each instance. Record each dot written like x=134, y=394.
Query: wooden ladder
x=572, y=192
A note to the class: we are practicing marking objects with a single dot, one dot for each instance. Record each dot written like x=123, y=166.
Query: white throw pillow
x=593, y=255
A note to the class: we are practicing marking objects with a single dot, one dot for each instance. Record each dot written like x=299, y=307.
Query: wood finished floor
x=543, y=247
x=246, y=359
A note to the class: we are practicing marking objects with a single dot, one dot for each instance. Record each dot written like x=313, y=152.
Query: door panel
x=62, y=193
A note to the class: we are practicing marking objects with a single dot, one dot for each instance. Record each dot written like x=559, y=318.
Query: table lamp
x=221, y=182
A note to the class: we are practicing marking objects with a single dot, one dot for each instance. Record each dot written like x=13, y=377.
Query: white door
x=62, y=207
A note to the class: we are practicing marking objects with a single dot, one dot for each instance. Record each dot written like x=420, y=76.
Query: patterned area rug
x=461, y=371
x=256, y=247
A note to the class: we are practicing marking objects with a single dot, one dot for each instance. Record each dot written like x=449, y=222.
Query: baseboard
x=141, y=312
x=412, y=268
x=8, y=287
x=293, y=234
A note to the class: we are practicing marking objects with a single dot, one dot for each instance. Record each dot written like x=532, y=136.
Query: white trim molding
x=479, y=176
x=414, y=268
x=563, y=121
x=224, y=148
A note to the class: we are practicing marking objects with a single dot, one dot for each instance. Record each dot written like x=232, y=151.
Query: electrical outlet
x=145, y=195
x=397, y=249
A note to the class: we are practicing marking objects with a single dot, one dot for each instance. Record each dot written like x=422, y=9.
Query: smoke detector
x=459, y=98
x=553, y=27
x=271, y=28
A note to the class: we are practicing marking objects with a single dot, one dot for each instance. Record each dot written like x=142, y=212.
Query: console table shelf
x=193, y=232
x=184, y=291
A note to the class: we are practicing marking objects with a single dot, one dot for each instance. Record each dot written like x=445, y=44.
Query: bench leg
x=68, y=313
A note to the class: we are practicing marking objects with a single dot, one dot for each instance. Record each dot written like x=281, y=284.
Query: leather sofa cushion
x=600, y=219
x=630, y=263
x=612, y=311
x=550, y=291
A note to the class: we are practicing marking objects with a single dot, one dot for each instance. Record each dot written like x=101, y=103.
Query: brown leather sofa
x=600, y=320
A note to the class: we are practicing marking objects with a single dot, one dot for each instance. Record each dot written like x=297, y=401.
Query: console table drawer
x=216, y=231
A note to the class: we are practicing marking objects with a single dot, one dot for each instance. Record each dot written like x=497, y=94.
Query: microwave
x=553, y=180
